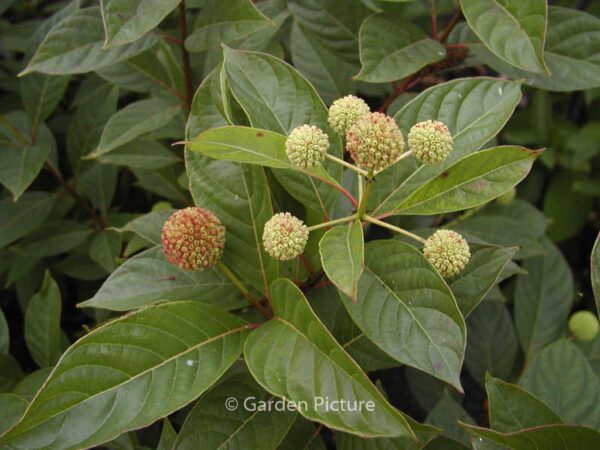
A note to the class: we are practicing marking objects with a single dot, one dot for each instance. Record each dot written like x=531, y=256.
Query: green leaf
x=543, y=299
x=334, y=25
x=492, y=346
x=566, y=222
x=54, y=238
x=481, y=274
x=555, y=437
x=572, y=43
x=105, y=248
x=408, y=311
x=42, y=324
x=149, y=226
x=140, y=154
x=4, y=334
x=168, y=436
x=518, y=224
x=277, y=98
x=31, y=384
x=18, y=219
x=595, y=271
x=342, y=254
x=392, y=48
x=148, y=278
x=12, y=407
x=512, y=408
x=128, y=20
x=515, y=32
x=472, y=181
x=560, y=376
x=224, y=23
x=128, y=373
x=20, y=159
x=134, y=120
x=446, y=414
x=10, y=372
x=303, y=435
x=474, y=109
x=330, y=74
x=41, y=94
x=217, y=426
x=98, y=184
x=74, y=45
x=308, y=363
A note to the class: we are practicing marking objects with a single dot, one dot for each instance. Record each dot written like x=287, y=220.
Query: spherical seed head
x=284, y=236
x=507, y=197
x=306, y=146
x=430, y=141
x=375, y=141
x=193, y=239
x=447, y=251
x=345, y=111
x=584, y=325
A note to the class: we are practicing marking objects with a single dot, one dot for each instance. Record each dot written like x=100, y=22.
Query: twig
x=332, y=222
x=187, y=70
x=451, y=24
x=434, y=23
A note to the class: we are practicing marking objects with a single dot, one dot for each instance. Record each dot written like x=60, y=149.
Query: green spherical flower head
x=448, y=252
x=507, y=197
x=306, y=146
x=284, y=236
x=345, y=111
x=584, y=325
x=375, y=142
x=193, y=239
x=430, y=141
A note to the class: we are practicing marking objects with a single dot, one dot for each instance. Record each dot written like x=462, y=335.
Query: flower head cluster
x=193, y=239
x=306, y=146
x=284, y=236
x=345, y=111
x=447, y=251
x=375, y=142
x=430, y=141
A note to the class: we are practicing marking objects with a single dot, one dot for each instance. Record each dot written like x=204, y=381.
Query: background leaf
x=149, y=373
x=17, y=219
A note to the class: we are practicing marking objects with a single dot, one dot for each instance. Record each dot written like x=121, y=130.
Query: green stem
x=244, y=290
x=340, y=161
x=332, y=222
x=364, y=198
x=399, y=230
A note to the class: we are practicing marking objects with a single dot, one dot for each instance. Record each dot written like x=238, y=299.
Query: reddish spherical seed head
x=193, y=239
x=375, y=142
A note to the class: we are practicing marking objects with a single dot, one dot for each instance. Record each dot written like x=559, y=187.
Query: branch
x=187, y=70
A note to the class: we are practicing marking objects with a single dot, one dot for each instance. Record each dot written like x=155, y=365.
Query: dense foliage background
x=93, y=95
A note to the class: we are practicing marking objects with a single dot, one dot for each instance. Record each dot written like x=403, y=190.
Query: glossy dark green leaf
x=42, y=324
x=512, y=408
x=446, y=414
x=161, y=358
x=307, y=363
x=128, y=20
x=543, y=299
x=148, y=278
x=342, y=254
x=214, y=422
x=408, y=311
x=392, y=48
x=515, y=32
x=560, y=376
x=74, y=45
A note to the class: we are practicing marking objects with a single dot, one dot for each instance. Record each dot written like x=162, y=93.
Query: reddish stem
x=187, y=69
x=451, y=24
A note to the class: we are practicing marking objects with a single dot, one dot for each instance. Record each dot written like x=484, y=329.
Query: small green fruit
x=584, y=325
x=284, y=236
